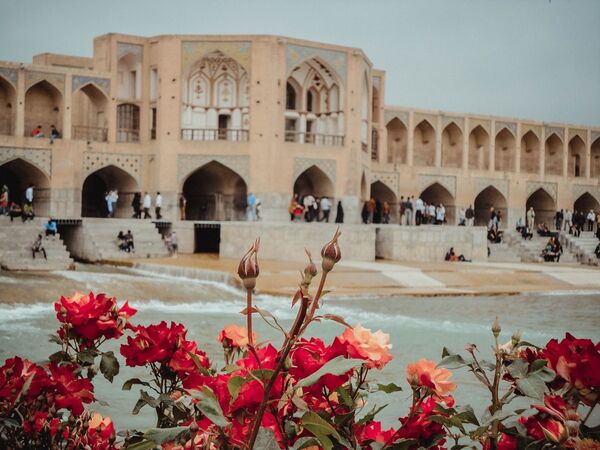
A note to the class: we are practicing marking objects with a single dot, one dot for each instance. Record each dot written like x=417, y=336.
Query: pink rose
x=363, y=344
x=425, y=373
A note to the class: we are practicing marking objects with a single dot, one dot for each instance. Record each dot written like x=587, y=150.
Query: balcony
x=302, y=137
x=214, y=134
x=128, y=135
x=97, y=134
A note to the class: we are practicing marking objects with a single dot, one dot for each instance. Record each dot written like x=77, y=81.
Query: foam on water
x=20, y=312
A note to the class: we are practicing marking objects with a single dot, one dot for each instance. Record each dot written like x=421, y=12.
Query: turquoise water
x=419, y=326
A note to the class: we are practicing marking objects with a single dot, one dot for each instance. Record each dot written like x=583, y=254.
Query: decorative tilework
x=402, y=115
x=123, y=48
x=560, y=132
x=449, y=182
x=296, y=54
x=512, y=127
x=390, y=179
x=536, y=129
x=550, y=188
x=580, y=189
x=326, y=165
x=193, y=51
x=40, y=158
x=485, y=124
x=130, y=163
x=10, y=74
x=187, y=164
x=577, y=132
x=430, y=118
x=595, y=135
x=102, y=83
x=499, y=184
x=55, y=79
x=459, y=121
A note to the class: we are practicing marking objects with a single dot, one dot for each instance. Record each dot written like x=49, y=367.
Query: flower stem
x=249, y=316
x=315, y=302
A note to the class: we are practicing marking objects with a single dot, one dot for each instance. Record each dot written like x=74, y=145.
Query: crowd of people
x=307, y=208
x=574, y=222
x=13, y=208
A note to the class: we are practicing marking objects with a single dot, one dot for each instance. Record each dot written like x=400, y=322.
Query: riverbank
x=387, y=278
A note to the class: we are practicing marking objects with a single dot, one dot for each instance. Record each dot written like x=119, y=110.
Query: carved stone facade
x=499, y=184
x=326, y=165
x=512, y=127
x=55, y=79
x=102, y=83
x=449, y=182
x=550, y=188
x=295, y=54
x=40, y=158
x=187, y=164
x=390, y=179
x=130, y=163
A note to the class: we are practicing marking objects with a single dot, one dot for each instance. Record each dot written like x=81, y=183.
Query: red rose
x=373, y=433
x=68, y=391
x=182, y=362
x=154, y=343
x=13, y=375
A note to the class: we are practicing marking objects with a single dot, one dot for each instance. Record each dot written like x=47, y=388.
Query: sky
x=536, y=59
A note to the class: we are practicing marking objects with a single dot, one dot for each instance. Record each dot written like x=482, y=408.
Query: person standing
x=339, y=216
x=147, y=205
x=531, y=218
x=386, y=213
x=4, y=200
x=158, y=205
x=408, y=211
x=108, y=201
x=29, y=194
x=591, y=217
x=440, y=215
x=308, y=202
x=419, y=209
x=402, y=210
x=182, y=203
x=568, y=220
x=250, y=214
x=114, y=197
x=470, y=216
x=292, y=206
x=462, y=219
x=135, y=204
x=558, y=218
x=326, y=208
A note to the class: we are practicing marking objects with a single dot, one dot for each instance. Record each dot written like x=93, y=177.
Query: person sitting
x=54, y=134
x=543, y=230
x=526, y=233
x=51, y=228
x=27, y=213
x=38, y=247
x=37, y=132
x=574, y=231
x=172, y=244
x=552, y=251
x=451, y=256
x=494, y=235
x=14, y=211
x=122, y=242
x=129, y=242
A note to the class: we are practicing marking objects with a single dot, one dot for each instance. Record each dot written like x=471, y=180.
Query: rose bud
x=310, y=271
x=331, y=252
x=496, y=328
x=248, y=268
x=516, y=337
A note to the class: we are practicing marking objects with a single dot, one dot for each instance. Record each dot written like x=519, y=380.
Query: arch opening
x=505, y=151
x=479, y=149
x=595, y=159
x=397, y=141
x=96, y=186
x=43, y=107
x=489, y=198
x=215, y=192
x=577, y=166
x=90, y=114
x=585, y=203
x=17, y=175
x=8, y=108
x=543, y=205
x=452, y=144
x=381, y=193
x=315, y=182
x=437, y=194
x=530, y=153
x=424, y=144
x=553, y=158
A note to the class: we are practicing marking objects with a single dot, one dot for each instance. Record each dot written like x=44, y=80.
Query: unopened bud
x=248, y=268
x=193, y=427
x=471, y=348
x=516, y=337
x=496, y=328
x=331, y=252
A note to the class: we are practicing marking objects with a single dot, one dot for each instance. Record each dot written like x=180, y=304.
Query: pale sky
x=536, y=59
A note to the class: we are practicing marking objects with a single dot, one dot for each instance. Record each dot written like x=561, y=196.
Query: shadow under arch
x=17, y=174
x=98, y=183
x=586, y=202
x=382, y=193
x=215, y=192
x=437, y=194
x=543, y=205
x=315, y=182
x=486, y=199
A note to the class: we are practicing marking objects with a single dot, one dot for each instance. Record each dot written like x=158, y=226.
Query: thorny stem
x=249, y=316
x=295, y=332
x=315, y=302
x=496, y=403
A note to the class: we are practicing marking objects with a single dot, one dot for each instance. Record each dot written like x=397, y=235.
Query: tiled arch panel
x=40, y=158
x=550, y=188
x=390, y=179
x=449, y=182
x=498, y=184
x=130, y=163
x=580, y=189
x=326, y=165
x=187, y=164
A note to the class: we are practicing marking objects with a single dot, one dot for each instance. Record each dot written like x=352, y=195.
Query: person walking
x=385, y=213
x=531, y=218
x=371, y=210
x=29, y=194
x=136, y=205
x=326, y=209
x=182, y=204
x=158, y=205
x=38, y=247
x=147, y=205
x=114, y=197
x=590, y=220
x=250, y=213
x=339, y=216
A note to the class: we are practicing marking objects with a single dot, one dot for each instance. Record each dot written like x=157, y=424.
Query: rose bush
x=305, y=393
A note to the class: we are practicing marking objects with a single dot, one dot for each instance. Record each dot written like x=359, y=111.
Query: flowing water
x=419, y=326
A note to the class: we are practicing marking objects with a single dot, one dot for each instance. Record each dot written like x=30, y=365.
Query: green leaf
x=203, y=370
x=230, y=368
x=109, y=365
x=129, y=383
x=467, y=415
x=452, y=361
x=336, y=318
x=164, y=435
x=538, y=364
x=370, y=415
x=266, y=440
x=142, y=445
x=532, y=386
x=403, y=444
x=87, y=356
x=546, y=374
x=343, y=392
x=59, y=357
x=336, y=366
x=209, y=406
x=234, y=385
x=518, y=368
x=145, y=399
x=55, y=339
x=498, y=416
x=320, y=428
x=304, y=442
x=389, y=388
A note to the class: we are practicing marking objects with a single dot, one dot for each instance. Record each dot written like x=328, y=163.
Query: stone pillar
x=20, y=116
x=410, y=145
x=67, y=107
x=493, y=146
x=274, y=206
x=465, y=150
x=566, y=153
x=518, y=148
x=542, y=167
x=438, y=142
x=588, y=154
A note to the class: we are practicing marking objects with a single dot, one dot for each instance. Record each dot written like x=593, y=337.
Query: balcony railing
x=302, y=137
x=152, y=133
x=128, y=135
x=213, y=134
x=84, y=133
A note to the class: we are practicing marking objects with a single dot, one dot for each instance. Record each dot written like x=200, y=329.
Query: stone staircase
x=582, y=247
x=100, y=237
x=531, y=250
x=16, y=239
x=503, y=252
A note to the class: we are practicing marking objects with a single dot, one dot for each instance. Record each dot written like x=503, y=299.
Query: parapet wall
x=430, y=243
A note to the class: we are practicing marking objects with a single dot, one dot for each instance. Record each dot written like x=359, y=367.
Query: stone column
x=493, y=146
x=68, y=107
x=20, y=97
x=566, y=153
x=588, y=153
x=410, y=145
x=438, y=142
x=518, y=149
x=542, y=167
x=465, y=150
